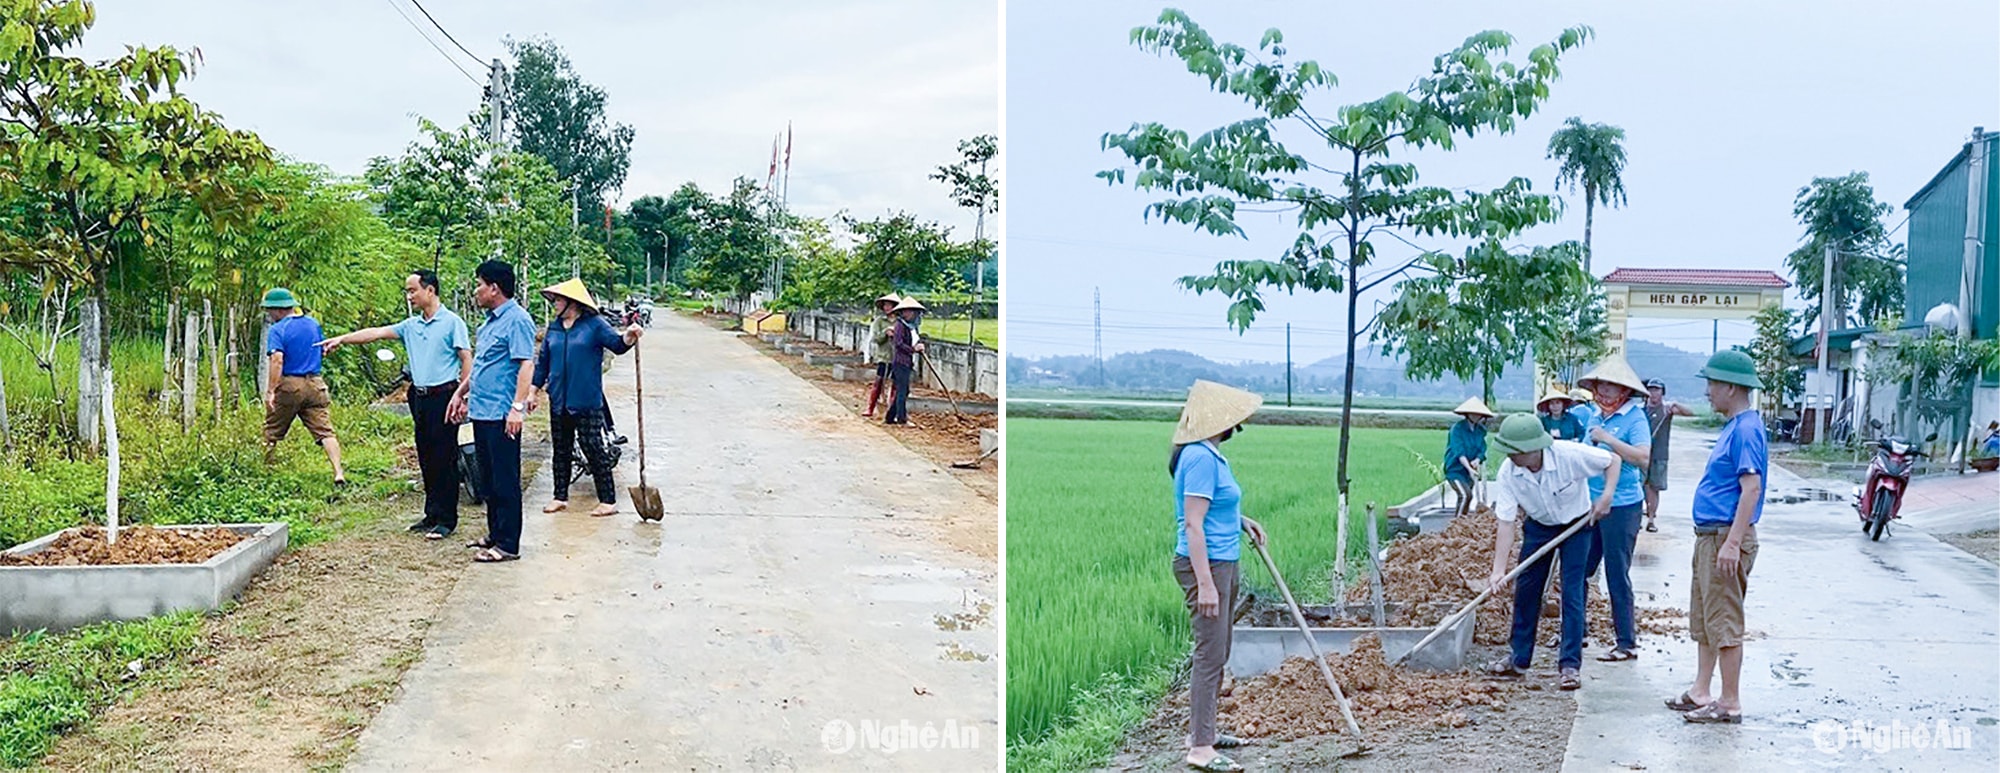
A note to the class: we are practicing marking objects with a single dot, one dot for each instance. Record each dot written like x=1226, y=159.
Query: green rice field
x=1092, y=605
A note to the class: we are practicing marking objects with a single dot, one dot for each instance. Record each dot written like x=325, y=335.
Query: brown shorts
x=304, y=397
x=1715, y=612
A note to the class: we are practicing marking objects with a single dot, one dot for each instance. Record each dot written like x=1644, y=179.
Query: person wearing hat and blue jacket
x=1727, y=503
x=295, y=390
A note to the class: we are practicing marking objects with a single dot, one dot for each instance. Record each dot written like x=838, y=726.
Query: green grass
x=953, y=330
x=50, y=684
x=1271, y=400
x=1093, y=611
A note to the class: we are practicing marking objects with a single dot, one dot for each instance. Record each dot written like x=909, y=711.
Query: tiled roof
x=1702, y=277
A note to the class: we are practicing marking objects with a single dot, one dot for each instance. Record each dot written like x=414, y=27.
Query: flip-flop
x=1618, y=655
x=494, y=556
x=1217, y=764
x=1683, y=704
x=1226, y=741
x=1712, y=714
x=1653, y=527
x=1504, y=669
x=480, y=544
x=1569, y=680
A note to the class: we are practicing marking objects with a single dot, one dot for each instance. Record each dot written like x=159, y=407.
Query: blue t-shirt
x=1629, y=426
x=1204, y=473
x=433, y=346
x=298, y=337
x=1565, y=427
x=1466, y=440
x=1740, y=449
x=570, y=363
x=506, y=340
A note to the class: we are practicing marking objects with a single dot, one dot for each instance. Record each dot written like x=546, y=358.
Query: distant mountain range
x=1375, y=374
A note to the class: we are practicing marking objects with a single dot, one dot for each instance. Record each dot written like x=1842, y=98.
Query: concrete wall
x=968, y=369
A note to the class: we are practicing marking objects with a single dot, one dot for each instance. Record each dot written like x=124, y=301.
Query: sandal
x=1568, y=680
x=1217, y=764
x=604, y=511
x=1713, y=714
x=1504, y=669
x=555, y=506
x=1650, y=526
x=494, y=556
x=1618, y=655
x=1683, y=704
x=480, y=544
x=1226, y=741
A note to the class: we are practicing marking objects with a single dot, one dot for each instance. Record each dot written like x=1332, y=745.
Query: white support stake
x=111, y=467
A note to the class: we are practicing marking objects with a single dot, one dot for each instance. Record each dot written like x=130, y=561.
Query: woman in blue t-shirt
x=1464, y=447
x=1209, y=529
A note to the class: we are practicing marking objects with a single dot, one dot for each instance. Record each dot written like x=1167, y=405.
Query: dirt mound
x=1293, y=702
x=136, y=545
x=1431, y=575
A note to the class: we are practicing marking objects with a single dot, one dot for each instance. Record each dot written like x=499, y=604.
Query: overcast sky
x=879, y=93
x=1728, y=107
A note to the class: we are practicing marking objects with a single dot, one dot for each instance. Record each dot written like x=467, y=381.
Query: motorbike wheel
x=1878, y=523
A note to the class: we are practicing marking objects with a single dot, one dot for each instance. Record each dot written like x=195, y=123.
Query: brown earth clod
x=87, y=546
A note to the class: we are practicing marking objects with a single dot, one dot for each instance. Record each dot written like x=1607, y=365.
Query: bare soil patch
x=287, y=678
x=1984, y=544
x=89, y=546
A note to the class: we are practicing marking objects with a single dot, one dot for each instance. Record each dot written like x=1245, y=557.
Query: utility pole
x=1714, y=336
x=1288, y=365
x=1097, y=326
x=1822, y=400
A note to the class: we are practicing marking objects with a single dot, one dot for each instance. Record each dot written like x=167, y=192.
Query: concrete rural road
x=798, y=609
x=1893, y=634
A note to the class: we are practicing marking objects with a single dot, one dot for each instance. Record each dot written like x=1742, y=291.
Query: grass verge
x=55, y=683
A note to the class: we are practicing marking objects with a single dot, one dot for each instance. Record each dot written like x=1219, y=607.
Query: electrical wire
x=427, y=39
x=447, y=33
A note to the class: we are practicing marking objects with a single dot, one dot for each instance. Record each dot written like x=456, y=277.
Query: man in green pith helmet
x=295, y=389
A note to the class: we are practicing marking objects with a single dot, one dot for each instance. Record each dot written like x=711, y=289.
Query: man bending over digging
x=1548, y=480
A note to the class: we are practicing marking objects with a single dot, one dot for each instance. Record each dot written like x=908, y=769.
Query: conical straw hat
x=891, y=298
x=1613, y=370
x=1551, y=395
x=1474, y=406
x=908, y=303
x=574, y=290
x=1579, y=395
x=1212, y=408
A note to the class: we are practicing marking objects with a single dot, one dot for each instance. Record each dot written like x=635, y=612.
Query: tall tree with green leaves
x=1476, y=314
x=1867, y=268
x=907, y=252
x=1353, y=194
x=431, y=188
x=1771, y=349
x=560, y=117
x=1592, y=158
x=103, y=147
x=735, y=240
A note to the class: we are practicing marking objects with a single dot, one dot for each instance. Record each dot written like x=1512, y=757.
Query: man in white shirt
x=1549, y=483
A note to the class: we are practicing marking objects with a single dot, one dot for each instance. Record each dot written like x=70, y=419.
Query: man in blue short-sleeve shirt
x=1727, y=504
x=295, y=389
x=495, y=399
x=440, y=355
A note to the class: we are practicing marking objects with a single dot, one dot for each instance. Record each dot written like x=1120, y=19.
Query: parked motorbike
x=1879, y=499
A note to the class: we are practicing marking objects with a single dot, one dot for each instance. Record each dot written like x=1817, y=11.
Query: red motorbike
x=1880, y=499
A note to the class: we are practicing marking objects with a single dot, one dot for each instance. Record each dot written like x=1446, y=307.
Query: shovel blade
x=646, y=500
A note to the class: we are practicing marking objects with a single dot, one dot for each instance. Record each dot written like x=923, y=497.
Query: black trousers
x=437, y=455
x=500, y=458
x=899, y=404
x=586, y=429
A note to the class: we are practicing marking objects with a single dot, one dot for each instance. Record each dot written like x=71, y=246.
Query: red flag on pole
x=788, y=146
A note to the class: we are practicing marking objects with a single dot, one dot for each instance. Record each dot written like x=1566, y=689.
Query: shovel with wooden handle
x=645, y=498
x=1298, y=617
x=1504, y=579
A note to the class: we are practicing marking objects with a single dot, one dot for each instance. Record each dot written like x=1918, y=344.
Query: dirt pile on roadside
x=1432, y=575
x=86, y=546
x=1293, y=702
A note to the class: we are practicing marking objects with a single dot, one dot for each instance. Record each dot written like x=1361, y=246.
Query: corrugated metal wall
x=1937, y=246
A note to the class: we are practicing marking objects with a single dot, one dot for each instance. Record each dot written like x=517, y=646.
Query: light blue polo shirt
x=1204, y=473
x=1629, y=426
x=433, y=346
x=1741, y=448
x=506, y=341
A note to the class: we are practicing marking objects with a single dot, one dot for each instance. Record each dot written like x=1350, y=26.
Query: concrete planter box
x=1259, y=650
x=64, y=597
x=936, y=405
x=820, y=358
x=859, y=373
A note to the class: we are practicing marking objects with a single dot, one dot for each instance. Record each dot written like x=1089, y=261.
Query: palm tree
x=1593, y=156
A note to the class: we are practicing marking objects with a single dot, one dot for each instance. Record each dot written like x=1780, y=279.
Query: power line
x=447, y=33
x=427, y=39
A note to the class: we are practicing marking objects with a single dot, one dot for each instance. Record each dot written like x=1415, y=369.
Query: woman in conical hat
x=1554, y=411
x=904, y=346
x=879, y=353
x=569, y=367
x=1465, y=446
x=1616, y=422
x=1208, y=541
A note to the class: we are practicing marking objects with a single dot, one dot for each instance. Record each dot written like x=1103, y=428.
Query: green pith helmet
x=1733, y=367
x=280, y=298
x=1522, y=433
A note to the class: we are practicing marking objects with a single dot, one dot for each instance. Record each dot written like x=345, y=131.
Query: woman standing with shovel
x=570, y=366
x=1208, y=541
